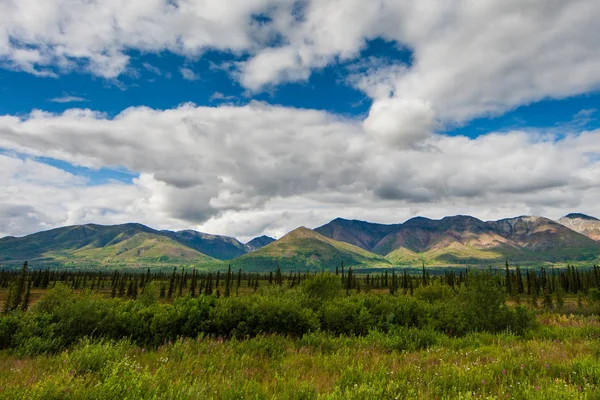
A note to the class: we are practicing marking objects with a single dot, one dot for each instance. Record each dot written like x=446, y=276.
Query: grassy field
x=558, y=360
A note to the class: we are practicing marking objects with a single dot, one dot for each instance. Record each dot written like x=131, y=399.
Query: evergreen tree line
x=550, y=284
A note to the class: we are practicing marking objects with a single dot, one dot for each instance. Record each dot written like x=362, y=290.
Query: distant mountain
x=422, y=234
x=584, y=224
x=464, y=239
x=541, y=239
x=454, y=240
x=259, y=242
x=304, y=248
x=93, y=244
x=216, y=246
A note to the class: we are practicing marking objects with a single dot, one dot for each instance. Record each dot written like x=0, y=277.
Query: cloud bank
x=245, y=170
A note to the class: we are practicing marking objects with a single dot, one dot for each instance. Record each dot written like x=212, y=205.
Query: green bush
x=347, y=316
x=322, y=287
x=434, y=293
x=62, y=318
x=9, y=325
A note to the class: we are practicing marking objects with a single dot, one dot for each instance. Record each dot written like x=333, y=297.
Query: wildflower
x=503, y=372
x=522, y=366
x=483, y=381
x=537, y=388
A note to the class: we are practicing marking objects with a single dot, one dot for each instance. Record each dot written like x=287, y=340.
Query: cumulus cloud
x=469, y=58
x=245, y=170
x=36, y=196
x=401, y=122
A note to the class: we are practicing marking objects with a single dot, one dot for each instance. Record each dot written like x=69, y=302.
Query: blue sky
x=390, y=112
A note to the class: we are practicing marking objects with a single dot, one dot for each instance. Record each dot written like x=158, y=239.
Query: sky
x=254, y=117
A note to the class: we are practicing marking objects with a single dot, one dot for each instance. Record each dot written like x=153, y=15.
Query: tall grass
x=406, y=363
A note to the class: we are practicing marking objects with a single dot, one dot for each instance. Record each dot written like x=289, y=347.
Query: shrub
x=322, y=287
x=347, y=316
x=434, y=293
x=9, y=326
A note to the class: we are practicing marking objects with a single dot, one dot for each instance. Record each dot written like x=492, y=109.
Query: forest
x=393, y=334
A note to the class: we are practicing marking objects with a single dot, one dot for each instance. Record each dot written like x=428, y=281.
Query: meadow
x=493, y=335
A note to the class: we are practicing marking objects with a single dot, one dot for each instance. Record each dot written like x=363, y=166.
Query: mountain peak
x=580, y=216
x=259, y=242
x=584, y=224
x=301, y=232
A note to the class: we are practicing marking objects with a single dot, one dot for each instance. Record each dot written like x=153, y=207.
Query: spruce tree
x=507, y=280
x=548, y=300
x=122, y=287
x=27, y=297
x=560, y=301
x=172, y=283
x=8, y=302
x=134, y=291
x=520, y=286
x=349, y=281
x=194, y=283
x=227, y=282
x=130, y=289
x=19, y=291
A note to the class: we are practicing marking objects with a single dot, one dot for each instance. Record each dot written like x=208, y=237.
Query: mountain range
x=454, y=240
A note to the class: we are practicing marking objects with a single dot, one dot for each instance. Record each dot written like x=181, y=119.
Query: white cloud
x=260, y=168
x=218, y=96
x=188, y=74
x=151, y=68
x=469, y=58
x=401, y=122
x=68, y=99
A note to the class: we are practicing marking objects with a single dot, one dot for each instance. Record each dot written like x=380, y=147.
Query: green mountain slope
x=306, y=249
x=127, y=244
x=142, y=248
